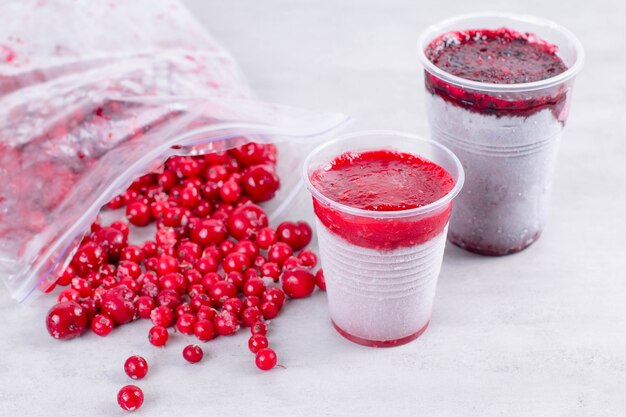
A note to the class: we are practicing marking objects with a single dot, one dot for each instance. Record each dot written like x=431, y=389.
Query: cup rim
x=430, y=31
x=393, y=214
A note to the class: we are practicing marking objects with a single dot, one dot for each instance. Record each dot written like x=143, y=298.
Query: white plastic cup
x=509, y=156
x=381, y=296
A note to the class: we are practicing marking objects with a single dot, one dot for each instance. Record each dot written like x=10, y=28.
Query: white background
x=542, y=332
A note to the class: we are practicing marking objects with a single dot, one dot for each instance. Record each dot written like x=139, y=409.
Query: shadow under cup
x=506, y=135
x=381, y=267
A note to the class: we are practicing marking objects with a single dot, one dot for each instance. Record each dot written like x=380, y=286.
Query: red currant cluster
x=214, y=266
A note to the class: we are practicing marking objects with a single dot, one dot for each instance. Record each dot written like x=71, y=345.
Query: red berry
x=246, y=220
x=234, y=305
x=169, y=298
x=167, y=264
x=320, y=280
x=68, y=294
x=266, y=237
x=101, y=325
x=260, y=183
x=204, y=330
x=270, y=270
x=189, y=197
x=259, y=328
x=145, y=305
x=67, y=276
x=269, y=310
x=158, y=336
x=250, y=154
x=209, y=279
x=308, y=258
x=292, y=262
x=298, y=282
x=236, y=262
x=250, y=315
x=111, y=240
x=193, y=353
x=122, y=227
x=279, y=252
x=226, y=323
x=206, y=313
x=248, y=248
x=265, y=359
x=206, y=232
x=186, y=324
x=136, y=367
x=237, y=278
x=130, y=398
x=230, y=192
x=221, y=291
x=66, y=320
x=117, y=303
x=166, y=180
x=128, y=269
x=138, y=213
x=216, y=173
x=254, y=286
x=162, y=316
x=257, y=342
x=132, y=253
x=89, y=257
x=297, y=235
x=274, y=295
x=173, y=281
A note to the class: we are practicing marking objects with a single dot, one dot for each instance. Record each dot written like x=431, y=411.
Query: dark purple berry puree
x=495, y=56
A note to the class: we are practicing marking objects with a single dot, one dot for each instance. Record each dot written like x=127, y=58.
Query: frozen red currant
x=246, y=220
x=206, y=232
x=158, y=336
x=297, y=235
x=117, y=303
x=298, y=282
x=266, y=237
x=162, y=316
x=89, y=257
x=204, y=330
x=320, y=281
x=258, y=328
x=221, y=291
x=193, y=353
x=279, y=252
x=66, y=320
x=308, y=258
x=260, y=182
x=186, y=323
x=138, y=213
x=274, y=295
x=236, y=261
x=136, y=367
x=257, y=342
x=130, y=397
x=265, y=359
x=101, y=325
x=226, y=323
x=254, y=286
x=269, y=310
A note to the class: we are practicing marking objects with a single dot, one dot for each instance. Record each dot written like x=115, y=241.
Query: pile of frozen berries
x=214, y=266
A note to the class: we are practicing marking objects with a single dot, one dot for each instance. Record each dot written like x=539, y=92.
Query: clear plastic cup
x=506, y=135
x=381, y=295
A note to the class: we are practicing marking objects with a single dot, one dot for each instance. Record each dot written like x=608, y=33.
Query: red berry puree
x=382, y=181
x=495, y=56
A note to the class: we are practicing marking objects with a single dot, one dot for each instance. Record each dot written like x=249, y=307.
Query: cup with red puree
x=382, y=202
x=498, y=91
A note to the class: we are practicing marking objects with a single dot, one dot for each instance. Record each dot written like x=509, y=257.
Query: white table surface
x=539, y=333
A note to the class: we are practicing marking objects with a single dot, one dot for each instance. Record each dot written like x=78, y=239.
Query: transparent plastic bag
x=96, y=93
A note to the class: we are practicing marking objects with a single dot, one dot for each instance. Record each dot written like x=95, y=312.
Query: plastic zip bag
x=95, y=94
